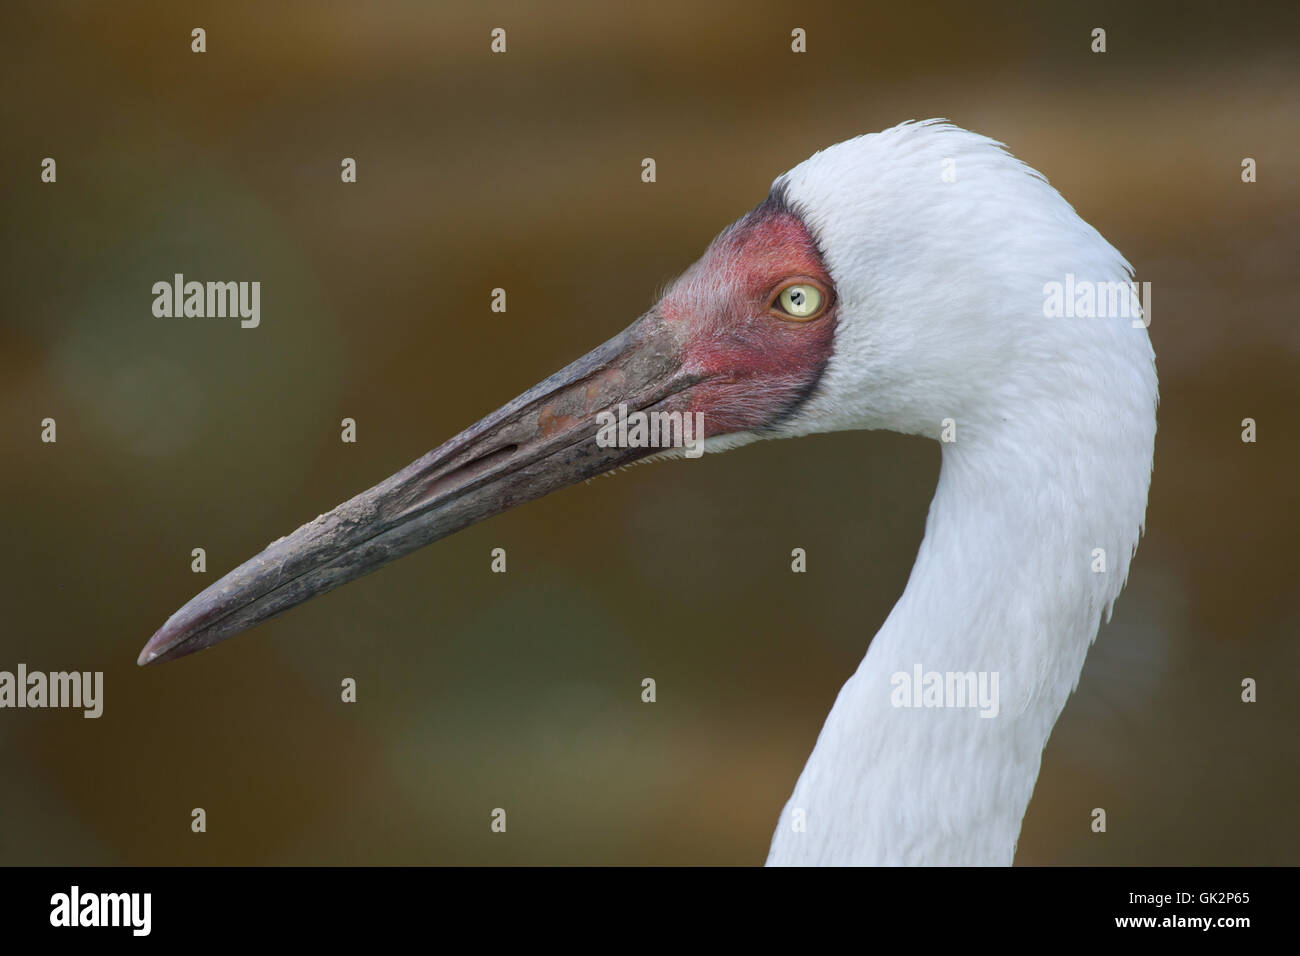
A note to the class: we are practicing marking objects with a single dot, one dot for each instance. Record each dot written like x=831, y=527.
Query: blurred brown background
x=522, y=171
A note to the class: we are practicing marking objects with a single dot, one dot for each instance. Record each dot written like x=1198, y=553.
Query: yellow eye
x=800, y=301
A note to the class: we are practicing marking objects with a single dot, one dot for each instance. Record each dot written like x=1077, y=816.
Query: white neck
x=941, y=290
x=1004, y=584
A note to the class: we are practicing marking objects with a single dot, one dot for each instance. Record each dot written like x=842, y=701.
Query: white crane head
x=937, y=245
x=899, y=280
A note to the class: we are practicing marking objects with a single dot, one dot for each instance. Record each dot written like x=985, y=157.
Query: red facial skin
x=757, y=366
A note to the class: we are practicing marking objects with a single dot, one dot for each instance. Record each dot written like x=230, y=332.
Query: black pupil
x=796, y=297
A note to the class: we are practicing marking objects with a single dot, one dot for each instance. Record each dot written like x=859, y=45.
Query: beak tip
x=161, y=647
x=149, y=653
x=186, y=631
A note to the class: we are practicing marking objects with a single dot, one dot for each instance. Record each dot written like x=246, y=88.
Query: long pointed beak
x=542, y=441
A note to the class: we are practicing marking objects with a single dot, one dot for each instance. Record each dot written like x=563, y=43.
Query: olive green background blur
x=522, y=171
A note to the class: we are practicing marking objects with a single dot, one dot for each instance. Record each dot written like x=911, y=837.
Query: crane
x=899, y=280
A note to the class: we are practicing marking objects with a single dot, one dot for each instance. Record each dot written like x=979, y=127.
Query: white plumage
x=941, y=285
